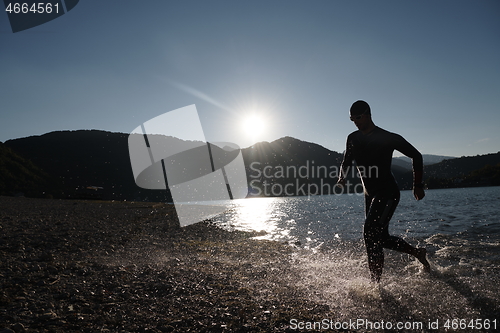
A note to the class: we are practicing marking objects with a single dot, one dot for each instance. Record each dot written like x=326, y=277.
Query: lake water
x=459, y=227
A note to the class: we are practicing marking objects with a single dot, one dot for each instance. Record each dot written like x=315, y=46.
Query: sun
x=254, y=125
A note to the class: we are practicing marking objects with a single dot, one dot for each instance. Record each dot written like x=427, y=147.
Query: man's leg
x=375, y=252
x=378, y=210
x=398, y=244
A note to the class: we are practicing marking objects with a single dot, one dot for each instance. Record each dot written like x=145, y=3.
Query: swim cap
x=360, y=107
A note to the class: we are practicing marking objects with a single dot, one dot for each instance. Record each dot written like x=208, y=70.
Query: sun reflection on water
x=261, y=215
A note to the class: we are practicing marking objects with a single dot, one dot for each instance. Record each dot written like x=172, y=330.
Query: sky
x=430, y=70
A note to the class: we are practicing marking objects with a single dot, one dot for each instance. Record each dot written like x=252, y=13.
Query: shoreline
x=88, y=266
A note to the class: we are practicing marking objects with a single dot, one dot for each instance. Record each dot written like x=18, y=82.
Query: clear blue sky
x=429, y=69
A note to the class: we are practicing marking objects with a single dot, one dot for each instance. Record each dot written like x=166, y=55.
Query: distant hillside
x=463, y=171
x=291, y=152
x=96, y=164
x=289, y=166
x=405, y=162
x=93, y=164
x=19, y=176
x=83, y=159
x=461, y=166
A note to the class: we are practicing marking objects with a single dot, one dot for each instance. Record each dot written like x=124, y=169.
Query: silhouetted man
x=372, y=147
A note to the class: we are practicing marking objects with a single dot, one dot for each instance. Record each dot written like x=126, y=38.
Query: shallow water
x=459, y=227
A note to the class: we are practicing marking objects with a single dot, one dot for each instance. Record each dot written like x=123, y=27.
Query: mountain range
x=405, y=162
x=96, y=164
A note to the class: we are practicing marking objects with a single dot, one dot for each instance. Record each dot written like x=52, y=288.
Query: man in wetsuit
x=371, y=148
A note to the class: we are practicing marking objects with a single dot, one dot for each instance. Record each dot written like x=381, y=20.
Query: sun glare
x=254, y=125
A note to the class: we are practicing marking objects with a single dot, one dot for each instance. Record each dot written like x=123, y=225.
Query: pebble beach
x=98, y=266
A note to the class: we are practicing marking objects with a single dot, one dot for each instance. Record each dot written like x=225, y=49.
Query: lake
x=459, y=227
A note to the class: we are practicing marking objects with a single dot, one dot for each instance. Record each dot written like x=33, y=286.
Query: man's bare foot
x=421, y=255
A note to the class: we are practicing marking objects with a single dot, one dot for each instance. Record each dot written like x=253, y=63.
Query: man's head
x=360, y=114
x=359, y=108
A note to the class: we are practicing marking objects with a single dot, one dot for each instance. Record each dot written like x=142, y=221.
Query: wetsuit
x=373, y=156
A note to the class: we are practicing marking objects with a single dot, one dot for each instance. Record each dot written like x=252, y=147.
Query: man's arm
x=417, y=163
x=346, y=163
x=418, y=186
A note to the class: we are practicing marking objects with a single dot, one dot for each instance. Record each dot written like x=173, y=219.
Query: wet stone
x=196, y=279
